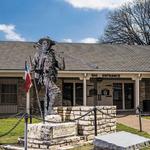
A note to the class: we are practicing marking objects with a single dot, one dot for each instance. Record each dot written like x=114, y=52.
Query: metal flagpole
x=28, y=102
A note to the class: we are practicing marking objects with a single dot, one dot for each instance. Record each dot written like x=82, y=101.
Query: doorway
x=123, y=95
x=129, y=95
x=67, y=94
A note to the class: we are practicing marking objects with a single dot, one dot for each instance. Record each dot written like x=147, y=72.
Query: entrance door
x=68, y=94
x=129, y=95
x=117, y=95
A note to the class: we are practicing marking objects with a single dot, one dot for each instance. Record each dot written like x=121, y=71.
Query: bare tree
x=129, y=24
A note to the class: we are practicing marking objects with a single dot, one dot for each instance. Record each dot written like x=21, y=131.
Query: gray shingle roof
x=82, y=56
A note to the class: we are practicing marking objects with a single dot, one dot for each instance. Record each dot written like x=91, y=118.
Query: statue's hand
x=39, y=71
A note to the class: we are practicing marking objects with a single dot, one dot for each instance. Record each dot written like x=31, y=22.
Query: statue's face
x=45, y=45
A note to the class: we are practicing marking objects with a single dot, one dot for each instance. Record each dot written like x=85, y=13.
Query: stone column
x=137, y=79
x=74, y=93
x=84, y=90
x=137, y=100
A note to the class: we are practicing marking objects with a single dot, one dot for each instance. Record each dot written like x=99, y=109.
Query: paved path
x=133, y=121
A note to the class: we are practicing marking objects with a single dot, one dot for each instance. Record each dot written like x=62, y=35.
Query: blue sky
x=62, y=20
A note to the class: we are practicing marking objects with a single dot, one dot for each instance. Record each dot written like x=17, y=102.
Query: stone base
x=120, y=141
x=55, y=144
x=50, y=131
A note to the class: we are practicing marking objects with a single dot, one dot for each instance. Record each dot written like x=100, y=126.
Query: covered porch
x=126, y=90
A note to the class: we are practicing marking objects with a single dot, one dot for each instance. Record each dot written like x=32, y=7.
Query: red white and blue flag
x=28, y=80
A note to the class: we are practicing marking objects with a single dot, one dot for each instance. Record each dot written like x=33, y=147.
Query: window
x=79, y=94
x=8, y=93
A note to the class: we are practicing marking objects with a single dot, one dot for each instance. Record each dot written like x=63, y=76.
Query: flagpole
x=28, y=102
x=26, y=120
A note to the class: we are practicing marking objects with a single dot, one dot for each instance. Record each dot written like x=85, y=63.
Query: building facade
x=95, y=74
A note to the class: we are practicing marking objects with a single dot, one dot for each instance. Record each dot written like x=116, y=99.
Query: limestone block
x=110, y=124
x=113, y=120
x=53, y=118
x=107, y=129
x=77, y=113
x=90, y=137
x=50, y=131
x=84, y=112
x=113, y=128
x=85, y=122
x=86, y=108
x=88, y=132
x=43, y=146
x=87, y=128
x=76, y=108
x=89, y=118
x=107, y=107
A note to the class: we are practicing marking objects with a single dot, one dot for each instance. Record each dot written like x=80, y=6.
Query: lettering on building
x=111, y=75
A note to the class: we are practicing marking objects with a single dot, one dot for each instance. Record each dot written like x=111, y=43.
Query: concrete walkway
x=133, y=121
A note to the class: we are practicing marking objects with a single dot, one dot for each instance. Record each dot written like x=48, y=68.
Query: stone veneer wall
x=106, y=123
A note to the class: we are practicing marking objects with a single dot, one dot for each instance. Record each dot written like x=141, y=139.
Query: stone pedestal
x=52, y=135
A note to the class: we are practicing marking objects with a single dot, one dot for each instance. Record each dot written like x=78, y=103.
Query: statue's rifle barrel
x=36, y=91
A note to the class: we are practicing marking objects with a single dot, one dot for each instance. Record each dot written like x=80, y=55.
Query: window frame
x=8, y=81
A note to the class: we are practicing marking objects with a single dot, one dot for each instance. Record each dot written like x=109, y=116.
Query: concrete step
x=120, y=141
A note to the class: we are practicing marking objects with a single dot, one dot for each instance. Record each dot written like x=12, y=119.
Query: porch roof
x=81, y=57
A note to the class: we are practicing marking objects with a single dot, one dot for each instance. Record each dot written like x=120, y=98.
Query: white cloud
x=97, y=4
x=89, y=40
x=67, y=40
x=10, y=34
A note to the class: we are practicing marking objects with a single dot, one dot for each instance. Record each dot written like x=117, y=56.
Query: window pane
x=79, y=94
x=8, y=94
x=9, y=88
x=129, y=95
x=117, y=95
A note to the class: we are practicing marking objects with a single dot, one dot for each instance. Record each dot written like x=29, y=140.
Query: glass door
x=129, y=95
x=117, y=95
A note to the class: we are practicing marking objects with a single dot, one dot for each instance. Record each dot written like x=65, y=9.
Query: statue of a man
x=46, y=65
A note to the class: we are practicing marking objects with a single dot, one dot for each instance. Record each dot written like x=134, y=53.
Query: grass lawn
x=121, y=127
x=146, y=117
x=7, y=124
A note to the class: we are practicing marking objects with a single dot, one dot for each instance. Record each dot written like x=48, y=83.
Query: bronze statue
x=46, y=64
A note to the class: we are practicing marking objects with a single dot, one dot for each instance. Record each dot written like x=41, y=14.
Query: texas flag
x=28, y=82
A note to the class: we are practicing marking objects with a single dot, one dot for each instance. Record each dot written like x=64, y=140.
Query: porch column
x=137, y=92
x=84, y=90
x=74, y=93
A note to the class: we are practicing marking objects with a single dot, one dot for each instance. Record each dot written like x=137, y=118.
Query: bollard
x=95, y=120
x=140, y=121
x=30, y=115
x=26, y=131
